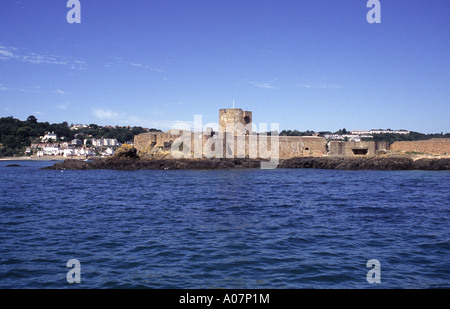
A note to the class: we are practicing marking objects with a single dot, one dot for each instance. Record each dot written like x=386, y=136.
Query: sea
x=223, y=229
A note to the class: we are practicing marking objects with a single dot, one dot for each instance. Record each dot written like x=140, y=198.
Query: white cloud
x=156, y=70
x=28, y=89
x=264, y=85
x=109, y=64
x=59, y=91
x=158, y=124
x=104, y=113
x=173, y=103
x=161, y=124
x=120, y=63
x=319, y=86
x=63, y=106
x=140, y=65
x=7, y=88
x=6, y=53
x=117, y=118
x=13, y=53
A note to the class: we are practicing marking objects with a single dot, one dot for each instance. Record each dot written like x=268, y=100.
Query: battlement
x=235, y=120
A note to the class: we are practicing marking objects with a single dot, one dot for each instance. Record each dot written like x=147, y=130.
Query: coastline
x=45, y=158
x=340, y=163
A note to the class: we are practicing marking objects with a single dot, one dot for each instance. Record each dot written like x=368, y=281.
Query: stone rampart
x=435, y=146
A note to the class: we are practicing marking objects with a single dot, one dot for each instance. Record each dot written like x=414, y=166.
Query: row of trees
x=386, y=137
x=17, y=135
x=122, y=134
x=412, y=136
x=310, y=133
x=296, y=133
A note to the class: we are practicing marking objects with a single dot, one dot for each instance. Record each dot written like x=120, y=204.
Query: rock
x=126, y=151
x=341, y=163
x=432, y=164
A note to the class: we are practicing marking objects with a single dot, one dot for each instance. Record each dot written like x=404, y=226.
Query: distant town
x=77, y=147
x=358, y=135
x=41, y=139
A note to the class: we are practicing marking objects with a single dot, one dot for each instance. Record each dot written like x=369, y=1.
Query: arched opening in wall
x=360, y=152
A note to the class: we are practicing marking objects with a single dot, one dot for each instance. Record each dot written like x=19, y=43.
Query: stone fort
x=237, y=138
x=238, y=124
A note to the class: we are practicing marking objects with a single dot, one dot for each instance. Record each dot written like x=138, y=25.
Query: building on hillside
x=108, y=142
x=49, y=137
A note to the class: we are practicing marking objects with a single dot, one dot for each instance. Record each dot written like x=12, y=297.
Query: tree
x=32, y=119
x=88, y=143
x=24, y=133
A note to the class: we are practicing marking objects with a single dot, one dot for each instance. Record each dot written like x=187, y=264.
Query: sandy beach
x=35, y=158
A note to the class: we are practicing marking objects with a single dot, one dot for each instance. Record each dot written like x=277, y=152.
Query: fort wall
x=236, y=139
x=302, y=146
x=155, y=139
x=242, y=146
x=435, y=146
x=353, y=149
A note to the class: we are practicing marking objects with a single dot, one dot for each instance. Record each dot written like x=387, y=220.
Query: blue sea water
x=239, y=229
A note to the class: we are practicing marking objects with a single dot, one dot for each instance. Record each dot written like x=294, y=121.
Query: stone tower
x=235, y=119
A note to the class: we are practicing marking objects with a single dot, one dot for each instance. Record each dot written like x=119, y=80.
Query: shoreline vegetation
x=339, y=163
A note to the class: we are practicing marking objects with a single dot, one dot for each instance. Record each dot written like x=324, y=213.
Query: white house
x=84, y=152
x=360, y=132
x=51, y=150
x=69, y=152
x=49, y=136
x=78, y=126
x=389, y=131
x=108, y=152
x=111, y=142
x=333, y=137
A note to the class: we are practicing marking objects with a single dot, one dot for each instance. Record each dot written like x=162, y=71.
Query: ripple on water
x=223, y=228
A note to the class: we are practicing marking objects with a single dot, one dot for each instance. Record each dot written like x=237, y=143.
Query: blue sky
x=305, y=64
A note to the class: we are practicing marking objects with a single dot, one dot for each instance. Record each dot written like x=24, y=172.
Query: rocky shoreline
x=340, y=163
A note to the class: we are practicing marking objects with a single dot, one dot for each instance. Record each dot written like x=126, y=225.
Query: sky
x=304, y=64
